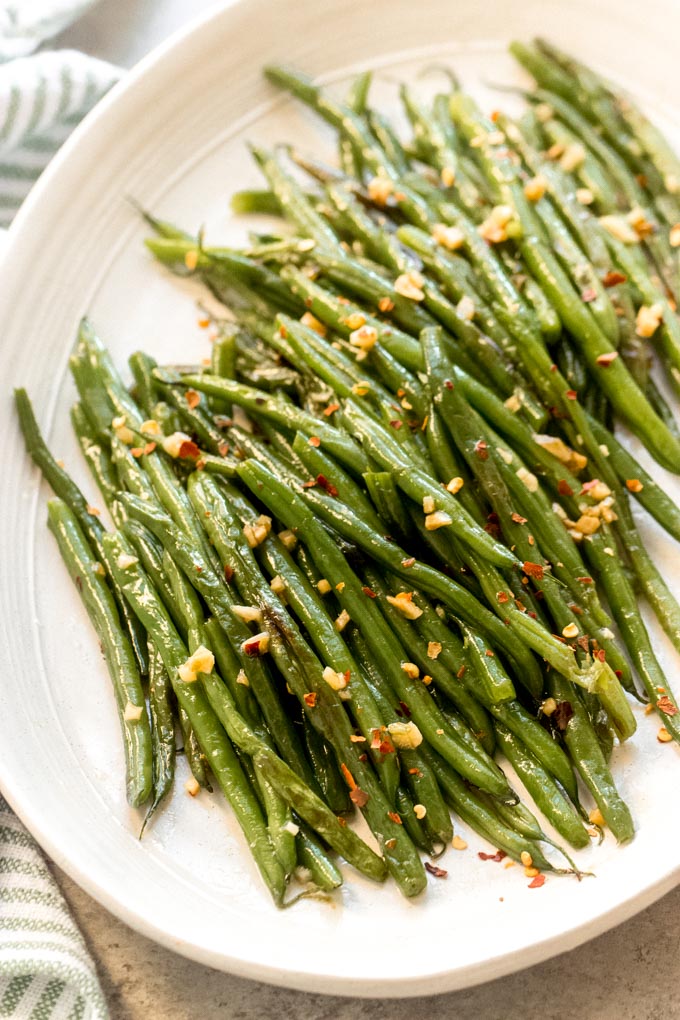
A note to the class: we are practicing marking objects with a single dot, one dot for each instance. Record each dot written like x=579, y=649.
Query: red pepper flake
x=641, y=179
x=499, y=856
x=385, y=304
x=605, y=360
x=188, y=450
x=571, y=395
x=518, y=519
x=310, y=484
x=193, y=398
x=405, y=709
x=666, y=705
x=553, y=368
x=588, y=295
x=228, y=573
x=410, y=562
x=394, y=817
x=396, y=424
x=600, y=655
x=149, y=448
x=341, y=821
x=634, y=485
x=534, y=570
x=323, y=483
x=613, y=278
x=461, y=672
x=585, y=580
x=331, y=409
x=381, y=742
x=314, y=441
x=490, y=654
x=564, y=488
x=482, y=449
x=204, y=323
x=434, y=870
x=415, y=772
x=532, y=615
x=448, y=384
x=223, y=449
x=369, y=591
x=200, y=465
x=502, y=597
x=310, y=699
x=358, y=797
x=536, y=882
x=562, y=714
x=583, y=642
x=137, y=451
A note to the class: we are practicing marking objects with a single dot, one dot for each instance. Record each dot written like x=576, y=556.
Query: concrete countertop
x=630, y=973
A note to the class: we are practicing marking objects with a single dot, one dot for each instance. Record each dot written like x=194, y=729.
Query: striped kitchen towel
x=46, y=972
x=42, y=95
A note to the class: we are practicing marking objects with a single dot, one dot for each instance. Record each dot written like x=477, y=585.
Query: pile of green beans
x=377, y=553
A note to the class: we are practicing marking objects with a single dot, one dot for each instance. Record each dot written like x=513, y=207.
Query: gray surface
x=627, y=974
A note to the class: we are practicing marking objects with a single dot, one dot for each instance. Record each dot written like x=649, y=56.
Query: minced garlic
x=405, y=735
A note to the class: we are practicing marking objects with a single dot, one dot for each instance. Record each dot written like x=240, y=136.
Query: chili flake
x=497, y=857
x=323, y=482
x=434, y=870
x=666, y=705
x=188, y=450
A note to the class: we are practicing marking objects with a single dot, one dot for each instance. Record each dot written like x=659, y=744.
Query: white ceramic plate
x=173, y=137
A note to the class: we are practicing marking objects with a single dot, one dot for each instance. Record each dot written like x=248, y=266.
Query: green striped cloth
x=46, y=971
x=42, y=95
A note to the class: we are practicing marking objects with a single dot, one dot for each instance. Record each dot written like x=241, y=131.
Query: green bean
x=162, y=732
x=649, y=494
x=101, y=608
x=480, y=817
x=287, y=415
x=368, y=618
x=333, y=787
x=67, y=490
x=305, y=675
x=220, y=599
x=314, y=859
x=542, y=787
x=252, y=200
x=146, y=389
x=291, y=197
x=417, y=484
x=98, y=458
x=327, y=307
x=585, y=752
